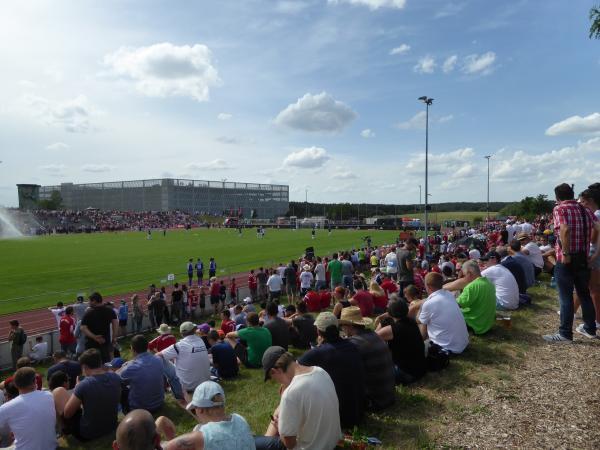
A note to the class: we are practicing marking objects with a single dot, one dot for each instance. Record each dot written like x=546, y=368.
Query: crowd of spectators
x=366, y=320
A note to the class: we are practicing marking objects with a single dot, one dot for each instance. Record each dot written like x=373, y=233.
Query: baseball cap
x=324, y=320
x=186, y=327
x=270, y=357
x=489, y=255
x=80, y=298
x=203, y=395
x=116, y=363
x=205, y=328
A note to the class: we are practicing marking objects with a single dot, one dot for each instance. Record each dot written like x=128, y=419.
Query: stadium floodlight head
x=426, y=100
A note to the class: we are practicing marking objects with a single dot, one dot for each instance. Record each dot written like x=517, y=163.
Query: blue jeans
x=566, y=279
x=171, y=375
x=322, y=284
x=268, y=443
x=347, y=280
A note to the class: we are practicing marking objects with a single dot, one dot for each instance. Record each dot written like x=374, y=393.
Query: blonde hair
x=375, y=289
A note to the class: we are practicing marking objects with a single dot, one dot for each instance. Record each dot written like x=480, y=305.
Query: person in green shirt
x=257, y=339
x=335, y=269
x=477, y=300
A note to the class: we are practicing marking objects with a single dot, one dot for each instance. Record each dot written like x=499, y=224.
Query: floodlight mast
x=428, y=101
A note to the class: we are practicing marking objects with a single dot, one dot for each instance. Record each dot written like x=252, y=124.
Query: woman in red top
x=215, y=294
x=233, y=291
x=380, y=299
x=67, y=339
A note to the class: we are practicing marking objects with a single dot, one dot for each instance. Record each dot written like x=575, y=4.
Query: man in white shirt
x=306, y=279
x=532, y=251
x=391, y=262
x=39, y=351
x=58, y=312
x=440, y=318
x=474, y=254
x=320, y=277
x=274, y=284
x=31, y=416
x=192, y=364
x=526, y=227
x=308, y=413
x=507, y=289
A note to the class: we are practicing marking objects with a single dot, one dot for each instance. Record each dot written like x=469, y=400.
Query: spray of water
x=8, y=230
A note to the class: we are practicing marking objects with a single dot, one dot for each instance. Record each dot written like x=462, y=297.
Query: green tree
x=595, y=22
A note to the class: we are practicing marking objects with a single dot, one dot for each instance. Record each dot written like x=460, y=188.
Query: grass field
x=438, y=217
x=424, y=410
x=40, y=271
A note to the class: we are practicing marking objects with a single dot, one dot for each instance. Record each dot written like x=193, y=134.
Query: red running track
x=40, y=321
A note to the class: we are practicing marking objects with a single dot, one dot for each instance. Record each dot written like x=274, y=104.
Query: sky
x=318, y=94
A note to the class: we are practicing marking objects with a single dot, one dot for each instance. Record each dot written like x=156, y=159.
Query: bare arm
x=115, y=324
x=386, y=333
x=72, y=406
x=423, y=329
x=456, y=285
x=189, y=441
x=288, y=441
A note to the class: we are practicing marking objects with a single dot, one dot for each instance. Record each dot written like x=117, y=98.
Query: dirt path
x=550, y=399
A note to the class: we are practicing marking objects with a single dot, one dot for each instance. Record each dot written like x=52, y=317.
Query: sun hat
x=163, y=329
x=352, y=316
x=306, y=267
x=324, y=320
x=522, y=236
x=116, y=363
x=270, y=357
x=203, y=395
x=186, y=327
x=205, y=328
x=248, y=300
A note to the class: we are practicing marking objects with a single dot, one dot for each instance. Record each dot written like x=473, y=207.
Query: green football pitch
x=40, y=271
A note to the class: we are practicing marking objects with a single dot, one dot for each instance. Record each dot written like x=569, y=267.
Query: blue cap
x=116, y=363
x=204, y=395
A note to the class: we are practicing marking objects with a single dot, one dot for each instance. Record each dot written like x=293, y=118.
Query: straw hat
x=352, y=316
x=163, y=329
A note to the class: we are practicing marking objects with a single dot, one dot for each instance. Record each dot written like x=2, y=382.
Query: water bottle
x=553, y=283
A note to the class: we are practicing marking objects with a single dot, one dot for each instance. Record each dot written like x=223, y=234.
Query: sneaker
x=582, y=331
x=556, y=339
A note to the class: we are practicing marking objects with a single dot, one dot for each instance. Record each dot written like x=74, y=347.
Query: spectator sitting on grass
x=341, y=302
x=91, y=411
x=137, y=431
x=215, y=429
x=303, y=333
x=405, y=343
x=257, y=340
x=227, y=325
x=39, y=351
x=376, y=359
x=142, y=378
x=278, y=327
x=307, y=416
x=21, y=363
x=58, y=379
x=341, y=360
x=30, y=416
x=224, y=359
x=362, y=298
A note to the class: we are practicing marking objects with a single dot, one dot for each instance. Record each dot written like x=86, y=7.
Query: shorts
x=123, y=323
x=290, y=288
x=214, y=299
x=202, y=302
x=274, y=295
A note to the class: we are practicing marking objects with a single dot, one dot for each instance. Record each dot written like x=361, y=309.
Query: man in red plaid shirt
x=575, y=225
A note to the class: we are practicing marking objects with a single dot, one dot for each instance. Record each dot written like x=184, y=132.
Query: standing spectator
x=138, y=314
x=376, y=359
x=151, y=306
x=307, y=416
x=143, y=378
x=65, y=365
x=223, y=356
x=80, y=308
x=291, y=288
x=340, y=359
x=97, y=324
x=280, y=333
x=58, y=312
x=252, y=285
x=405, y=342
x=347, y=271
x=191, y=359
x=215, y=295
x=212, y=268
x=190, y=271
x=91, y=411
x=274, y=284
x=590, y=198
x=257, y=340
x=199, y=271
x=66, y=337
x=123, y=316
x=320, y=277
x=261, y=279
x=335, y=270
x=176, y=301
x=306, y=279
x=31, y=416
x=575, y=225
x=391, y=263
x=39, y=351
x=17, y=338
x=405, y=263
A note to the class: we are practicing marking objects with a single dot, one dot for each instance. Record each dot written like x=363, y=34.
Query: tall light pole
x=488, y=188
x=306, y=201
x=420, y=201
x=428, y=101
x=223, y=180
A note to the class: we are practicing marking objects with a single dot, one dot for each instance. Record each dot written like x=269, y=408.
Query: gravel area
x=551, y=400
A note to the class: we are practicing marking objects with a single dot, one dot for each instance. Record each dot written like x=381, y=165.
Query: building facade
x=249, y=200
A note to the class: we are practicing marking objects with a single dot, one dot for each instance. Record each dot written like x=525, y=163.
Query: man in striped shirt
x=575, y=226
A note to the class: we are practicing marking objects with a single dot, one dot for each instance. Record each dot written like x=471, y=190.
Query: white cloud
x=164, y=69
x=224, y=116
x=316, y=113
x=400, y=50
x=416, y=122
x=447, y=118
x=57, y=146
x=373, y=4
x=451, y=164
x=215, y=164
x=576, y=125
x=97, y=168
x=55, y=169
x=425, y=65
x=479, y=64
x=450, y=63
x=343, y=175
x=228, y=140
x=27, y=84
x=290, y=7
x=450, y=9
x=73, y=115
x=307, y=158
x=367, y=133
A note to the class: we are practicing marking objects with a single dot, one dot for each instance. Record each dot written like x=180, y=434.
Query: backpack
x=437, y=358
x=22, y=338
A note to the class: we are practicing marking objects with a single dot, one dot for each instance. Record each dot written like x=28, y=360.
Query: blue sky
x=317, y=94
